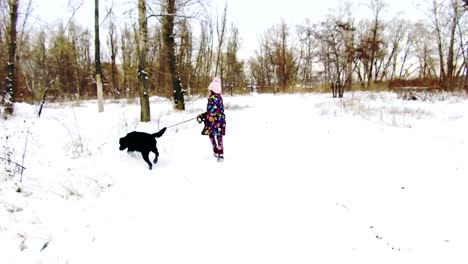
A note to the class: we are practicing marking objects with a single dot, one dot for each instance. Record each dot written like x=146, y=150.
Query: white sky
x=252, y=17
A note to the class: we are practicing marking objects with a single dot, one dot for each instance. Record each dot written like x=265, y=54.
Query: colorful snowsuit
x=215, y=120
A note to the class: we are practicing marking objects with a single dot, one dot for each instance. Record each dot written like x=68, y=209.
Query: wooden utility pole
x=97, y=56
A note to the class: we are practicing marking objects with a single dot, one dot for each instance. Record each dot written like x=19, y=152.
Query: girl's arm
x=211, y=108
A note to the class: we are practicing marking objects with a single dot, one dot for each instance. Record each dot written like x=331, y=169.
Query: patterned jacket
x=215, y=120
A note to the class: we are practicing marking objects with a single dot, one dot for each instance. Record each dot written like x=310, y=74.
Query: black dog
x=142, y=142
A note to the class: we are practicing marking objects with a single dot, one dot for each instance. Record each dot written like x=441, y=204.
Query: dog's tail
x=160, y=133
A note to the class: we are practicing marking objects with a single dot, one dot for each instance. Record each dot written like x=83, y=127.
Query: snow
x=306, y=179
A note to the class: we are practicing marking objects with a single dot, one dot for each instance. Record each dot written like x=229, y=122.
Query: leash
x=181, y=122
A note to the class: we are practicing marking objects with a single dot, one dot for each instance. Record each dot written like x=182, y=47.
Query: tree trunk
x=114, y=75
x=449, y=82
x=442, y=73
x=465, y=58
x=466, y=78
x=220, y=30
x=373, y=53
x=10, y=84
x=97, y=56
x=145, y=114
x=349, y=41
x=126, y=47
x=168, y=37
x=113, y=46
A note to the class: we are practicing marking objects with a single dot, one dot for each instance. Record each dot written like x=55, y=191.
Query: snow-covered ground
x=306, y=179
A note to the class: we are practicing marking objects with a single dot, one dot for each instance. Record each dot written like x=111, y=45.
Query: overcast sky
x=252, y=17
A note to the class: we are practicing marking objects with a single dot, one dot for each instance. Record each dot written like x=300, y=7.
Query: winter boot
x=220, y=154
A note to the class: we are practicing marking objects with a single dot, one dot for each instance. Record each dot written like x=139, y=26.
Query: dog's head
x=123, y=143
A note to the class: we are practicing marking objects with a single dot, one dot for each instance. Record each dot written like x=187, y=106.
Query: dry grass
x=376, y=107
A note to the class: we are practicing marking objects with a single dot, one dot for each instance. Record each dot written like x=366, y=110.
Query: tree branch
x=174, y=15
x=74, y=10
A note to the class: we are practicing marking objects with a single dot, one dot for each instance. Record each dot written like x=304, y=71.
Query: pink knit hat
x=215, y=85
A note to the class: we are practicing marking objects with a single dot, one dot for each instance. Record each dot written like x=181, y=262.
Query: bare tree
x=127, y=47
x=39, y=62
x=233, y=73
x=336, y=53
x=425, y=50
x=464, y=51
x=113, y=50
x=445, y=19
x=184, y=52
x=276, y=62
x=284, y=57
x=10, y=84
x=23, y=81
x=307, y=52
x=204, y=54
x=220, y=31
x=396, y=32
x=370, y=48
x=168, y=23
x=145, y=115
x=403, y=56
x=262, y=67
x=172, y=15
x=3, y=49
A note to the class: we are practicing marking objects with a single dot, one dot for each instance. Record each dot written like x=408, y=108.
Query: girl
x=214, y=119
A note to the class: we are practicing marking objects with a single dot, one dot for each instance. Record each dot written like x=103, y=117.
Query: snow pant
x=217, y=142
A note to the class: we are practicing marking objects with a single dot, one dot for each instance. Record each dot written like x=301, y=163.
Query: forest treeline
x=185, y=44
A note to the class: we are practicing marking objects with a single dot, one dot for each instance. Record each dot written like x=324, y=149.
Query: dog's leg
x=156, y=153
x=145, y=154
